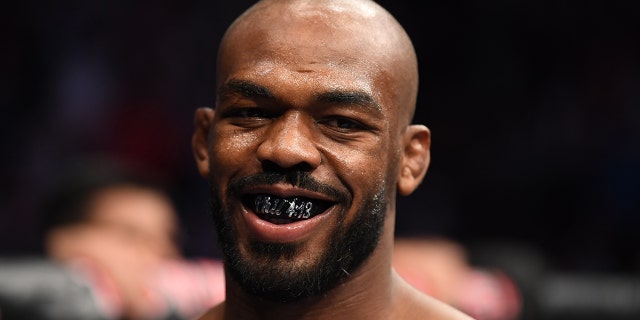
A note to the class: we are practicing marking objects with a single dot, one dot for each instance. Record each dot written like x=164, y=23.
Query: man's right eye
x=248, y=113
x=248, y=117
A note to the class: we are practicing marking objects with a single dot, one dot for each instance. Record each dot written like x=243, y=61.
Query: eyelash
x=337, y=122
x=248, y=113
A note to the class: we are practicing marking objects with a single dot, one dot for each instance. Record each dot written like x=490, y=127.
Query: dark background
x=534, y=107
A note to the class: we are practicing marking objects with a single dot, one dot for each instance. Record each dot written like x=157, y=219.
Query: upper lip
x=286, y=191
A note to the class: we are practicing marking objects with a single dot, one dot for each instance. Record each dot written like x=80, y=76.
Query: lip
x=285, y=191
x=298, y=231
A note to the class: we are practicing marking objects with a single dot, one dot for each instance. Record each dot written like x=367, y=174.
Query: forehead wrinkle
x=251, y=90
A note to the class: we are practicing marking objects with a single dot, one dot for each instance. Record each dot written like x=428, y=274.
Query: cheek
x=363, y=170
x=231, y=153
x=369, y=171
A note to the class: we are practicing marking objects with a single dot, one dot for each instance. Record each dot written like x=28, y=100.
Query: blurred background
x=534, y=108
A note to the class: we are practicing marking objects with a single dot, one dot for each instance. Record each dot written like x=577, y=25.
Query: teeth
x=295, y=208
x=284, y=210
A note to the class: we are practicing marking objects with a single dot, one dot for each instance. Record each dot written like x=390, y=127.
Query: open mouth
x=278, y=210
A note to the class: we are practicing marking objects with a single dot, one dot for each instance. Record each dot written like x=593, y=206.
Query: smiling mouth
x=278, y=210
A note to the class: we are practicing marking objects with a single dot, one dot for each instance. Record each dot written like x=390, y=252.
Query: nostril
x=270, y=166
x=289, y=141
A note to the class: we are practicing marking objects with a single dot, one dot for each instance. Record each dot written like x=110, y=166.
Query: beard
x=269, y=271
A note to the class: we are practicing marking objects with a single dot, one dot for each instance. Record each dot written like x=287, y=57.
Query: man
x=305, y=151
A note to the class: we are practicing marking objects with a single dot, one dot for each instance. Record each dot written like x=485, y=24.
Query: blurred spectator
x=505, y=280
x=440, y=268
x=112, y=252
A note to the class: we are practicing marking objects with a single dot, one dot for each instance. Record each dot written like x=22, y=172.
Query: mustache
x=298, y=179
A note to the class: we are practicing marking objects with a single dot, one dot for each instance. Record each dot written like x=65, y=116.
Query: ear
x=415, y=158
x=200, y=139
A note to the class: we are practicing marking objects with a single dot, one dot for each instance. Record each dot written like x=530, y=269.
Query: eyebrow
x=250, y=90
x=348, y=98
x=246, y=89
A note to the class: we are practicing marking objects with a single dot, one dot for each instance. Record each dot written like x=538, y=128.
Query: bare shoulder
x=429, y=308
x=413, y=304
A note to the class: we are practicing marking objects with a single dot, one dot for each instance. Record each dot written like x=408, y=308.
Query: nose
x=289, y=143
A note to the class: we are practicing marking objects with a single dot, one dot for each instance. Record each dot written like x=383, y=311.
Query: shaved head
x=361, y=31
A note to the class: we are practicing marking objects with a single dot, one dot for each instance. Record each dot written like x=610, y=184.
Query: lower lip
x=283, y=233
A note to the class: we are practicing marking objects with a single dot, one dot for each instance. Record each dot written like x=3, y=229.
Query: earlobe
x=199, y=140
x=415, y=158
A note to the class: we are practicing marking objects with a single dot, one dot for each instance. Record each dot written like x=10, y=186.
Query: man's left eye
x=344, y=124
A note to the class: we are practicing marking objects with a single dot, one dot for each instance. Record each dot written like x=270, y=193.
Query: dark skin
x=328, y=88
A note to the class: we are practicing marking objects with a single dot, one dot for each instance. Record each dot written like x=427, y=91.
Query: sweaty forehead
x=333, y=34
x=276, y=15
x=351, y=37
x=329, y=9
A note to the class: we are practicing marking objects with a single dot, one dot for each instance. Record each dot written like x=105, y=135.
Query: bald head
x=358, y=35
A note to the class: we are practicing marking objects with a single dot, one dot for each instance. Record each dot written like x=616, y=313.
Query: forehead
x=319, y=48
x=313, y=24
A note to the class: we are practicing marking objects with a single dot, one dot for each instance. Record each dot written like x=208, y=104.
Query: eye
x=248, y=113
x=247, y=117
x=343, y=124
